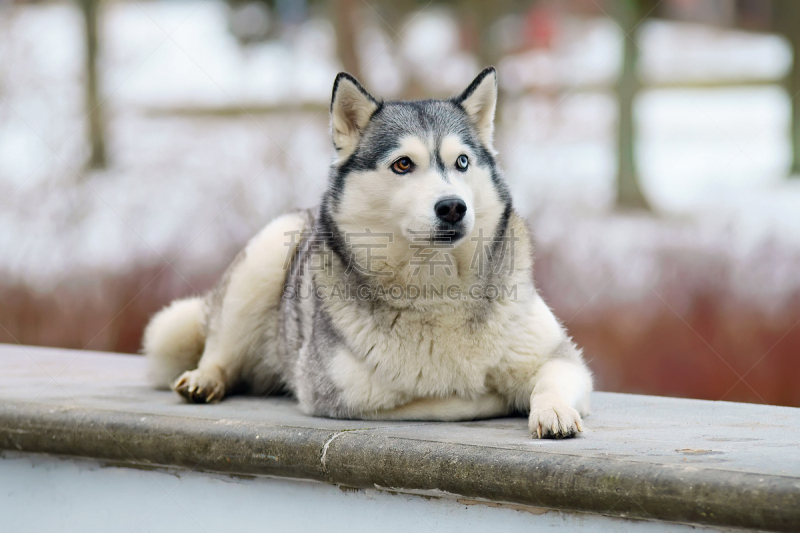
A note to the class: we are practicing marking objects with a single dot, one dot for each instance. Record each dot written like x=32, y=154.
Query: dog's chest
x=448, y=350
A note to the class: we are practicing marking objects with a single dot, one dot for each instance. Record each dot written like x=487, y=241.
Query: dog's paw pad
x=552, y=417
x=198, y=386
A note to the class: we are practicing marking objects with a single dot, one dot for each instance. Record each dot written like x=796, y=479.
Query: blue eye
x=462, y=162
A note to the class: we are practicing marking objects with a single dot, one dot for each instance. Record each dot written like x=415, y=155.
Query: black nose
x=450, y=209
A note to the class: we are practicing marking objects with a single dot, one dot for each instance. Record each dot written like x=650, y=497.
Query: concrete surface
x=715, y=463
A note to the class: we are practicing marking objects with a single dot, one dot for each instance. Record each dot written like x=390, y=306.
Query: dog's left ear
x=351, y=108
x=479, y=101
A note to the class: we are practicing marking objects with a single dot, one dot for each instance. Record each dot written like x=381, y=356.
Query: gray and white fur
x=407, y=295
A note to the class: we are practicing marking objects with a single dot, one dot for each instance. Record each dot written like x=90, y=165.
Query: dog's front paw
x=200, y=386
x=552, y=417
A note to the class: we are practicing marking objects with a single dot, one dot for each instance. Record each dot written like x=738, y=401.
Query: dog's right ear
x=351, y=108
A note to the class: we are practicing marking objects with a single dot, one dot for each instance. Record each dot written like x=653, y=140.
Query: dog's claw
x=198, y=386
x=552, y=417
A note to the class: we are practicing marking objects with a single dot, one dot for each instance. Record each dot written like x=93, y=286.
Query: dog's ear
x=479, y=101
x=351, y=108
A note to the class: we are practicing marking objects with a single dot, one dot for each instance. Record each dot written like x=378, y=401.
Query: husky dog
x=407, y=295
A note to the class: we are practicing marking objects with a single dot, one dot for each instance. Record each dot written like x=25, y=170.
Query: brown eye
x=402, y=165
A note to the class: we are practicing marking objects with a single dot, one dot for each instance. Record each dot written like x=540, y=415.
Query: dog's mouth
x=444, y=235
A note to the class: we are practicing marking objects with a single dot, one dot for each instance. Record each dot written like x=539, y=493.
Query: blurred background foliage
x=653, y=145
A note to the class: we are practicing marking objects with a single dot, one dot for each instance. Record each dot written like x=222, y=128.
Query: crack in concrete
x=324, y=455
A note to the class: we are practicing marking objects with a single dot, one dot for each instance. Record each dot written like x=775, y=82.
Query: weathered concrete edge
x=596, y=485
x=360, y=458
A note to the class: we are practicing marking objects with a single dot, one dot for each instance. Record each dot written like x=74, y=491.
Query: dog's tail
x=174, y=340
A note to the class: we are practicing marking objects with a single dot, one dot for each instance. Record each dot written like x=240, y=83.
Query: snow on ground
x=229, y=179
x=698, y=144
x=692, y=52
x=586, y=52
x=713, y=161
x=165, y=54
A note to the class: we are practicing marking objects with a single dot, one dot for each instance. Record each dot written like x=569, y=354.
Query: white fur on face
x=403, y=205
x=485, y=205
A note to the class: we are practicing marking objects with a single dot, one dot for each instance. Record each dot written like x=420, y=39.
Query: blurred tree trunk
x=787, y=21
x=345, y=12
x=481, y=16
x=394, y=16
x=629, y=193
x=97, y=159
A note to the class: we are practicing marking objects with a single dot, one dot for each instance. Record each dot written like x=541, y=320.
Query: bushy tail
x=174, y=340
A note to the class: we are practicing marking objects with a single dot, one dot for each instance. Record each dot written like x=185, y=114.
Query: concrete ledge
x=713, y=463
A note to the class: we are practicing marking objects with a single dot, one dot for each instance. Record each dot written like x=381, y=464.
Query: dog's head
x=418, y=169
